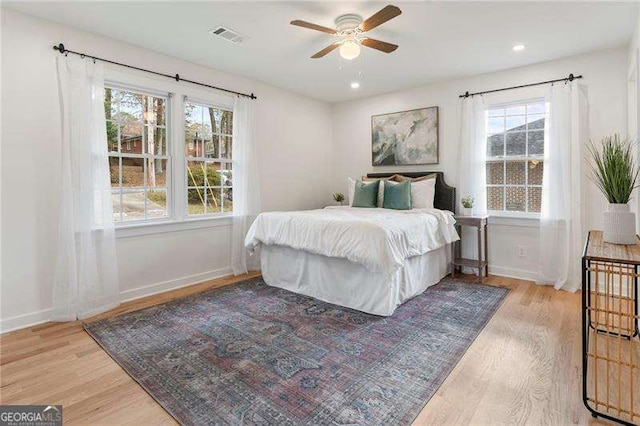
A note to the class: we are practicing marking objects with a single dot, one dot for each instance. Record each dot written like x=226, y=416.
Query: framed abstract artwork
x=405, y=138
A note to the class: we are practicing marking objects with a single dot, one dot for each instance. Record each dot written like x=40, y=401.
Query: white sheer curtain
x=246, y=185
x=472, y=175
x=561, y=234
x=86, y=280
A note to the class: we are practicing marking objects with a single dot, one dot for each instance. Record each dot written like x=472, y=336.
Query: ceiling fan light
x=349, y=50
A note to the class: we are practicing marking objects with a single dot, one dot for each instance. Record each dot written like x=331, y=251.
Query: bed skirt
x=342, y=282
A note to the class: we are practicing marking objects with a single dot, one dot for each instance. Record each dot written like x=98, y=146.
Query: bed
x=371, y=260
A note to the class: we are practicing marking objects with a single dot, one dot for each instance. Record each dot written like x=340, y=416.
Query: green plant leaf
x=613, y=168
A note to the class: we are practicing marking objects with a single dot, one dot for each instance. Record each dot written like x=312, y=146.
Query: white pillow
x=351, y=188
x=422, y=194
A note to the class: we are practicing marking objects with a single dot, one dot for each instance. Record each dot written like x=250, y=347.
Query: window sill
x=161, y=227
x=514, y=219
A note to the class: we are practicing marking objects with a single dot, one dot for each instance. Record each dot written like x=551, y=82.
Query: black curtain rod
x=566, y=79
x=60, y=48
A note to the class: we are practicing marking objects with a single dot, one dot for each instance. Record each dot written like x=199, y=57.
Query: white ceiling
x=438, y=40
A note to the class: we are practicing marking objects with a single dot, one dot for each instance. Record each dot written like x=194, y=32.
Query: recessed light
x=518, y=47
x=355, y=85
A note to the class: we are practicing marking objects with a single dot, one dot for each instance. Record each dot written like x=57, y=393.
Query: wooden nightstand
x=481, y=263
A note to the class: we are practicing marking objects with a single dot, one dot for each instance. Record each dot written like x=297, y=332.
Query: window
x=515, y=154
x=208, y=146
x=138, y=173
x=155, y=179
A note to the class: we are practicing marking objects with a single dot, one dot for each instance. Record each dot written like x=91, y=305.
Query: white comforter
x=379, y=239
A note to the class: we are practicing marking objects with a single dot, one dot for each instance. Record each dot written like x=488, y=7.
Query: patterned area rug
x=253, y=354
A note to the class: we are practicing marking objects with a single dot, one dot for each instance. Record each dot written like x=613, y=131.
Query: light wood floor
x=524, y=368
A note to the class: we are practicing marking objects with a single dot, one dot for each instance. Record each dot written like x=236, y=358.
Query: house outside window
x=515, y=156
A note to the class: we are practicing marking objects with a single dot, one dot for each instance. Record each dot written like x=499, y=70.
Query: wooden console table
x=610, y=343
x=481, y=263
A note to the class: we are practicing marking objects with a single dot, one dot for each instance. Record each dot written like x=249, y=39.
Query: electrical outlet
x=520, y=251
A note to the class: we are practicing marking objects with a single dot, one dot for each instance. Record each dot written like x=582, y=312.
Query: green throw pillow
x=366, y=195
x=397, y=196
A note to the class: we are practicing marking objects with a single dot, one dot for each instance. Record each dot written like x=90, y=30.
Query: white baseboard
x=35, y=318
x=149, y=290
x=23, y=321
x=513, y=273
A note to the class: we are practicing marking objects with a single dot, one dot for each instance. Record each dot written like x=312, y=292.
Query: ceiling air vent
x=227, y=34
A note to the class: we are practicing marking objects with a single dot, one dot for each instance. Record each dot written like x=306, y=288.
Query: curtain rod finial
x=60, y=48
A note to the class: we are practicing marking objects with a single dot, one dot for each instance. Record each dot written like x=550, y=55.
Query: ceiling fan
x=349, y=29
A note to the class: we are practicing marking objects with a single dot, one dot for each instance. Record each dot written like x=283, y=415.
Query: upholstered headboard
x=445, y=198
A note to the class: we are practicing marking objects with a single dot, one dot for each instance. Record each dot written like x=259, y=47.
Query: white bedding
x=379, y=239
x=344, y=283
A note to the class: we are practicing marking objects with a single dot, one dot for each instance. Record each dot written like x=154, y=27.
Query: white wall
x=633, y=96
x=293, y=134
x=604, y=74
x=634, y=43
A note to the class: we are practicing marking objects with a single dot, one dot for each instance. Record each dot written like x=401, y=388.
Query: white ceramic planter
x=467, y=211
x=619, y=225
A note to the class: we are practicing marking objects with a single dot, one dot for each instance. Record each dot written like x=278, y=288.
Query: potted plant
x=338, y=198
x=467, y=203
x=615, y=173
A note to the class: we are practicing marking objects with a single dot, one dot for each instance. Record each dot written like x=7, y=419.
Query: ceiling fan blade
x=305, y=24
x=326, y=50
x=383, y=15
x=382, y=46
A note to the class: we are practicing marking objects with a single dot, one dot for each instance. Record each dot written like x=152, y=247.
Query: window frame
x=526, y=158
x=187, y=159
x=167, y=96
x=178, y=220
